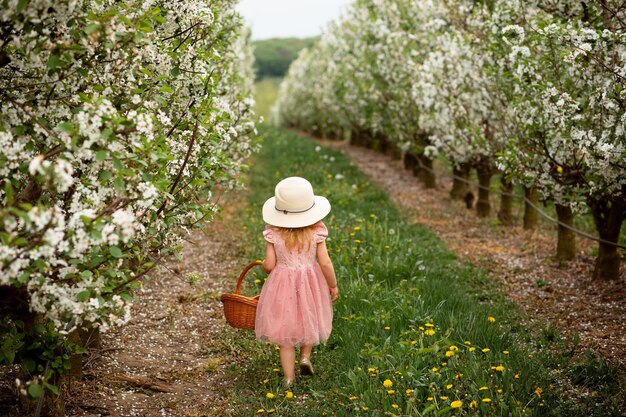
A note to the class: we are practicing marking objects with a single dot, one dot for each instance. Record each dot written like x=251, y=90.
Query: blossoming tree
x=117, y=122
x=533, y=89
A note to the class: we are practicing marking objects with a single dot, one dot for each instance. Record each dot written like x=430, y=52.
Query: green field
x=415, y=332
x=266, y=92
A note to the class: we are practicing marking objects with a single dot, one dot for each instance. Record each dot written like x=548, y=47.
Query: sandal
x=305, y=367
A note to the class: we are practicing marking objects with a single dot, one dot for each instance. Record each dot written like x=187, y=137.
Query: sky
x=289, y=18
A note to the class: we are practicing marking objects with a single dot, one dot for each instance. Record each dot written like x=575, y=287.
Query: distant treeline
x=273, y=56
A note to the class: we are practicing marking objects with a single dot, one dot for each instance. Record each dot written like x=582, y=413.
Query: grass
x=266, y=93
x=415, y=332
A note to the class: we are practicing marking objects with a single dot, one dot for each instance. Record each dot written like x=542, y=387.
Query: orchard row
x=117, y=122
x=531, y=91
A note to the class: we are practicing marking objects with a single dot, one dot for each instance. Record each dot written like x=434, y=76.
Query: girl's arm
x=327, y=269
x=270, y=258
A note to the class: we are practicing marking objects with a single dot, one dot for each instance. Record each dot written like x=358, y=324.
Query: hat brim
x=274, y=217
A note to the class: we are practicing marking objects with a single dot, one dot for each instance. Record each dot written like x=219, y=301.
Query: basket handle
x=243, y=274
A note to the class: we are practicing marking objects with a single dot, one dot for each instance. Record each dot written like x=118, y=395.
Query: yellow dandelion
x=506, y=352
x=357, y=241
x=271, y=410
x=486, y=400
x=364, y=408
x=353, y=398
x=387, y=383
x=409, y=392
x=459, y=376
x=491, y=319
x=467, y=342
x=444, y=397
x=276, y=370
x=396, y=406
x=434, y=369
x=472, y=349
x=483, y=388
x=454, y=348
x=429, y=325
x=371, y=369
x=391, y=392
x=260, y=410
x=559, y=169
x=449, y=386
x=429, y=332
x=499, y=368
x=387, y=328
x=485, y=350
x=456, y=404
x=414, y=342
x=429, y=399
x=538, y=392
x=257, y=281
x=269, y=395
x=473, y=404
x=357, y=228
x=499, y=391
x=516, y=376
x=289, y=394
x=449, y=354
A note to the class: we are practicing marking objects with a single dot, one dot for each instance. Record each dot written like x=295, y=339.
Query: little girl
x=295, y=304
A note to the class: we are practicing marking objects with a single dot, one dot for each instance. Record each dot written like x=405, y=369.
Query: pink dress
x=295, y=308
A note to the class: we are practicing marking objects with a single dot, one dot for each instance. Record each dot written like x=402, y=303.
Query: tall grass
x=415, y=332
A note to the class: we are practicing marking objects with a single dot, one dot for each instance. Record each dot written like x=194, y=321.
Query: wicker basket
x=240, y=311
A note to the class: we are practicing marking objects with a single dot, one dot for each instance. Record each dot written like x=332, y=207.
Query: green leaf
x=144, y=26
x=86, y=274
x=105, y=175
x=54, y=62
x=83, y=296
x=91, y=28
x=21, y=5
x=119, y=185
x=115, y=251
x=35, y=390
x=101, y=155
x=166, y=89
x=118, y=164
x=67, y=127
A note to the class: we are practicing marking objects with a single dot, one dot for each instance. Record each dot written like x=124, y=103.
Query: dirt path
x=165, y=361
x=522, y=261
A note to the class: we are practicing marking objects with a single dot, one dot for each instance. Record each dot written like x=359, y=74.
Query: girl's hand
x=334, y=291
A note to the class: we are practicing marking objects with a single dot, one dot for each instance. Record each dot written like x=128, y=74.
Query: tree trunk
x=505, y=215
x=530, y=214
x=426, y=173
x=608, y=217
x=459, y=187
x=483, y=206
x=410, y=163
x=566, y=243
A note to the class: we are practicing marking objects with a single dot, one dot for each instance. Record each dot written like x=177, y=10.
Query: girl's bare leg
x=305, y=351
x=287, y=360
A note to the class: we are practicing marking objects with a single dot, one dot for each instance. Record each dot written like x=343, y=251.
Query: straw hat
x=294, y=204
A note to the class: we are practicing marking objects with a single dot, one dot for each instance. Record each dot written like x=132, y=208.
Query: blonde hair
x=298, y=238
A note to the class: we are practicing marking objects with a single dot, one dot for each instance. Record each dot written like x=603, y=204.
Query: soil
x=167, y=361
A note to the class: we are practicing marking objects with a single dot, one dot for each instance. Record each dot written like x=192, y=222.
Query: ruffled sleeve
x=268, y=234
x=321, y=233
